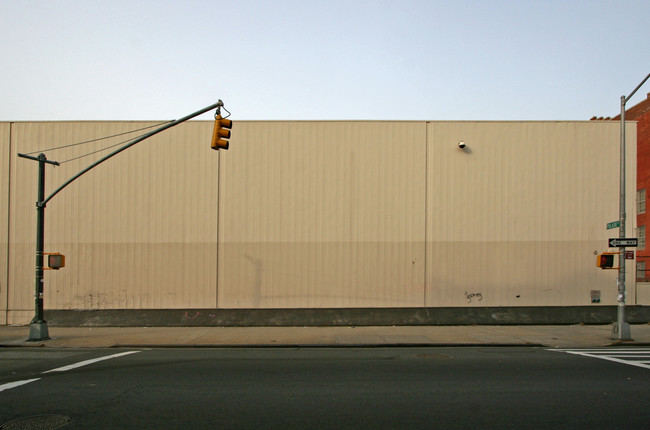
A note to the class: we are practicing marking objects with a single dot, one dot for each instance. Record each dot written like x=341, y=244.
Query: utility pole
x=38, y=327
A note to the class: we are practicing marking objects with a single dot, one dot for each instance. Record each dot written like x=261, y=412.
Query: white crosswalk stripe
x=639, y=357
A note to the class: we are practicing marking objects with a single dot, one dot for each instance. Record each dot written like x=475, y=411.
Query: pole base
x=38, y=331
x=621, y=331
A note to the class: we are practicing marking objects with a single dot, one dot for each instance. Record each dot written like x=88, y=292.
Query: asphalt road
x=324, y=388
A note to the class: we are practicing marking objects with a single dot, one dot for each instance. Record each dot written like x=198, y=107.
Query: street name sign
x=613, y=224
x=617, y=242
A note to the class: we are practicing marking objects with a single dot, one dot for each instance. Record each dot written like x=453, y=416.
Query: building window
x=640, y=201
x=640, y=271
x=640, y=232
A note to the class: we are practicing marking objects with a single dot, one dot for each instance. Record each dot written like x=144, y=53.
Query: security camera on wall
x=461, y=144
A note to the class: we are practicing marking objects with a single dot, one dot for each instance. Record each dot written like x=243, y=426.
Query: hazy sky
x=351, y=59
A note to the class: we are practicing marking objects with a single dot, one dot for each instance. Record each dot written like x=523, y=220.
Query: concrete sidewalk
x=567, y=336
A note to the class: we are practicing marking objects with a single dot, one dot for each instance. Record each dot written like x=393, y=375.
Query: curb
x=336, y=345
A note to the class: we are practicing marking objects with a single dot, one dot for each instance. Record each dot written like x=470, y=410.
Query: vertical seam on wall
x=9, y=164
x=216, y=287
x=426, y=207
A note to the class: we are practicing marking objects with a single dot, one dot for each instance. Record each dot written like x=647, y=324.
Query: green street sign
x=614, y=224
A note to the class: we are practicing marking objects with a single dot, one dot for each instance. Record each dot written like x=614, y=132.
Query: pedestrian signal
x=605, y=260
x=55, y=260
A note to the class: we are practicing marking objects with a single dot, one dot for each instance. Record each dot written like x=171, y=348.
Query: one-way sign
x=617, y=242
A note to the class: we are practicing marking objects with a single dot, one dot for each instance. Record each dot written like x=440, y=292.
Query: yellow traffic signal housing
x=221, y=132
x=55, y=260
x=606, y=260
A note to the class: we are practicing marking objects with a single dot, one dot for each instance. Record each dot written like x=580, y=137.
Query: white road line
x=87, y=362
x=613, y=354
x=606, y=351
x=617, y=360
x=11, y=385
x=627, y=355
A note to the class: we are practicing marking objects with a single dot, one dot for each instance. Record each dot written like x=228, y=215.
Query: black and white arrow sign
x=617, y=242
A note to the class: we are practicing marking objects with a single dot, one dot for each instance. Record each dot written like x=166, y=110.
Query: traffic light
x=55, y=260
x=221, y=132
x=605, y=260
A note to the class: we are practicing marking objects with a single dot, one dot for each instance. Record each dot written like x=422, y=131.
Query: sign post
x=621, y=329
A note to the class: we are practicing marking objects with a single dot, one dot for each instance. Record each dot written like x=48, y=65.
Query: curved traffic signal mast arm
x=128, y=145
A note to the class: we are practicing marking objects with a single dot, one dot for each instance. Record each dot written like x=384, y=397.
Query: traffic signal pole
x=621, y=329
x=38, y=326
x=38, y=330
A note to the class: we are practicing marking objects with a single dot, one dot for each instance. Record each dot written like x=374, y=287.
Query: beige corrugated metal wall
x=516, y=218
x=319, y=214
x=323, y=214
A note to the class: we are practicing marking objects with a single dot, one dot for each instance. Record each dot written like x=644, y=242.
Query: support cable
x=103, y=149
x=102, y=138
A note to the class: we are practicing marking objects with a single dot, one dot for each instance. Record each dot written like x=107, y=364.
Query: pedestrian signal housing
x=606, y=260
x=220, y=133
x=55, y=260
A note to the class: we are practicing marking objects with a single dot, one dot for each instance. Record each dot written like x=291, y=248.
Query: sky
x=322, y=60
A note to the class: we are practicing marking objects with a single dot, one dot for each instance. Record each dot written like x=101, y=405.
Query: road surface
x=325, y=388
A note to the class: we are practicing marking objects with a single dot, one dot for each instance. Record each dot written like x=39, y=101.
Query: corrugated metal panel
x=322, y=214
x=517, y=217
x=22, y=230
x=138, y=231
x=5, y=147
